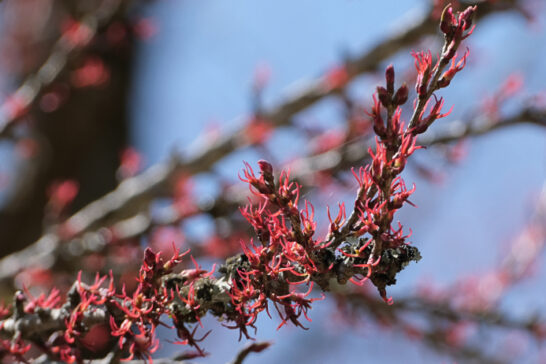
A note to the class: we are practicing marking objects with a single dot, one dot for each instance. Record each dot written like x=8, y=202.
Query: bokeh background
x=192, y=74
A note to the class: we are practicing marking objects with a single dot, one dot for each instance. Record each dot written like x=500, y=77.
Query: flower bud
x=466, y=17
x=447, y=21
x=401, y=95
x=265, y=167
x=389, y=76
x=383, y=96
x=149, y=257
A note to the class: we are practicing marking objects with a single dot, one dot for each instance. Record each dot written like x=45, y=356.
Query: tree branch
x=51, y=249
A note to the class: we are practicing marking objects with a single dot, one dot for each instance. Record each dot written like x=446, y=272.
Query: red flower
x=423, y=64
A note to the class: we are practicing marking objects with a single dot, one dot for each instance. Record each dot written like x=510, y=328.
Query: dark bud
x=265, y=167
x=443, y=82
x=149, y=257
x=401, y=95
x=447, y=21
x=266, y=183
x=379, y=126
x=421, y=89
x=466, y=17
x=421, y=127
x=389, y=76
x=384, y=96
x=380, y=130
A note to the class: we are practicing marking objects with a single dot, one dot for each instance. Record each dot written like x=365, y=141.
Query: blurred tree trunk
x=79, y=140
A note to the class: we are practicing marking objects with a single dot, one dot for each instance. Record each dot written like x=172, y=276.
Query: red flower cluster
x=285, y=257
x=288, y=248
x=130, y=320
x=431, y=77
